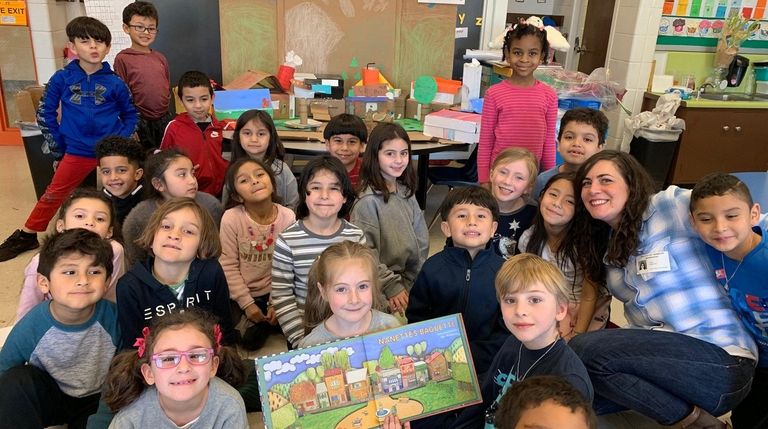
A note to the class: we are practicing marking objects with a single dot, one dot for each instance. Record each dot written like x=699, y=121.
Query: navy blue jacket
x=140, y=297
x=451, y=282
x=92, y=107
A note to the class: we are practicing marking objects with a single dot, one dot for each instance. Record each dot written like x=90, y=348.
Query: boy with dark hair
x=459, y=279
x=146, y=72
x=95, y=103
x=582, y=134
x=545, y=402
x=198, y=133
x=345, y=137
x=729, y=222
x=55, y=360
x=120, y=167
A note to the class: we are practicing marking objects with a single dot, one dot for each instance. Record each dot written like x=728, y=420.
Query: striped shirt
x=520, y=117
x=295, y=251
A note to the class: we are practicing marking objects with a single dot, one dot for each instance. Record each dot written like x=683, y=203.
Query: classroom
x=664, y=93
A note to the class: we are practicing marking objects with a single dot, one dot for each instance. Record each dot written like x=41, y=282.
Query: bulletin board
x=696, y=25
x=404, y=39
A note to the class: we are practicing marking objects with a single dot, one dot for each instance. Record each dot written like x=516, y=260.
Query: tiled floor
x=17, y=198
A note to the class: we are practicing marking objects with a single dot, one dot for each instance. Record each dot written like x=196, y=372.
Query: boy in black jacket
x=120, y=167
x=459, y=279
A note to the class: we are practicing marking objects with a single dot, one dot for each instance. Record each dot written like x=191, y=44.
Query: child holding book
x=341, y=302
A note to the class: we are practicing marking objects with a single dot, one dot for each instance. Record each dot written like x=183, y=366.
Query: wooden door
x=593, y=43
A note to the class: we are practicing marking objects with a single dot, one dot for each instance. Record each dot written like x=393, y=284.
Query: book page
x=415, y=370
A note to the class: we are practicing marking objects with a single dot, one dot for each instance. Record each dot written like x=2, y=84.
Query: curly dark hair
x=585, y=115
x=596, y=238
x=121, y=146
x=532, y=392
x=518, y=32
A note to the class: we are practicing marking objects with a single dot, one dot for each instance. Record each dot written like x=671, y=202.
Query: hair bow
x=217, y=336
x=141, y=343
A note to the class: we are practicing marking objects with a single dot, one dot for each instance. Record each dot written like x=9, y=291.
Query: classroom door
x=593, y=43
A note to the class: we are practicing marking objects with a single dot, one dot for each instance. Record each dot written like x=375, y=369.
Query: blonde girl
x=180, y=375
x=168, y=174
x=89, y=209
x=388, y=212
x=183, y=271
x=550, y=238
x=256, y=137
x=249, y=228
x=513, y=174
x=342, y=302
x=325, y=199
x=520, y=110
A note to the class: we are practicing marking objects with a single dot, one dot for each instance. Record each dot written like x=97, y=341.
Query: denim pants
x=661, y=374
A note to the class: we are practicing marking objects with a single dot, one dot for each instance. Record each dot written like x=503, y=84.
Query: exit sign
x=13, y=13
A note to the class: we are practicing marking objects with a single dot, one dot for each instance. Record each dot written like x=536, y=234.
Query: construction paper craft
x=414, y=371
x=424, y=89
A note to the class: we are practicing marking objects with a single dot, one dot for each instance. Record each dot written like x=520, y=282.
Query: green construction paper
x=357, y=76
x=354, y=62
x=344, y=75
x=350, y=93
x=424, y=89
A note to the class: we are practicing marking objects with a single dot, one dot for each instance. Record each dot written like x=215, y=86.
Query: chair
x=453, y=177
x=757, y=182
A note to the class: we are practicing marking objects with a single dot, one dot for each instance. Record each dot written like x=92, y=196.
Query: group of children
x=340, y=252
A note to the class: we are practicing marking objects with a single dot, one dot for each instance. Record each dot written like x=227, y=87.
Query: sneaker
x=18, y=243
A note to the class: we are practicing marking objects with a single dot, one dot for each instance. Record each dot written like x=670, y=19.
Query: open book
x=414, y=371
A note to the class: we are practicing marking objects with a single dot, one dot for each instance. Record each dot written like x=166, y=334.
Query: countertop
x=716, y=104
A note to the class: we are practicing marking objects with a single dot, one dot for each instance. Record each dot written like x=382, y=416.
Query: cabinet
x=717, y=139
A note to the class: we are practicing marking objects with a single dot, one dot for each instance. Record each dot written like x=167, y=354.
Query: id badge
x=653, y=263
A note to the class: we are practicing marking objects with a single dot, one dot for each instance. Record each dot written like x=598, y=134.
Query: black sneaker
x=18, y=243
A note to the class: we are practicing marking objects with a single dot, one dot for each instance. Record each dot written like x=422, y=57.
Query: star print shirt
x=511, y=227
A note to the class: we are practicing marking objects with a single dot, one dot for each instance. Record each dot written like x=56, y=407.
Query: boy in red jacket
x=198, y=133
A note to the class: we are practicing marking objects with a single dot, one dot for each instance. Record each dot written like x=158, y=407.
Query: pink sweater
x=31, y=295
x=520, y=117
x=249, y=271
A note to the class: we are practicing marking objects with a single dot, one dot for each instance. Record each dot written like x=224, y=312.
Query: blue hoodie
x=92, y=107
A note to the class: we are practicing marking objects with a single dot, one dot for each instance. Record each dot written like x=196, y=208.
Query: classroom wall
x=47, y=21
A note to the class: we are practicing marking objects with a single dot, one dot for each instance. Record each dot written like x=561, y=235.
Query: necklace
x=733, y=274
x=519, y=355
x=265, y=238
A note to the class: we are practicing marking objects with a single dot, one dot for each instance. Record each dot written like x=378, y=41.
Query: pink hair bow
x=217, y=336
x=141, y=343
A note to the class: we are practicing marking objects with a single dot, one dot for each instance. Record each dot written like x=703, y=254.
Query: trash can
x=655, y=150
x=41, y=164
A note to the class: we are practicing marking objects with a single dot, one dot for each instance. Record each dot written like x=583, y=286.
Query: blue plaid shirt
x=686, y=299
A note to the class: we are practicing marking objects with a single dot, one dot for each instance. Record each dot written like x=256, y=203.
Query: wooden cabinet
x=717, y=139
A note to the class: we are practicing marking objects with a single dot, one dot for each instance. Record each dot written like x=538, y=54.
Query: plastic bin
x=655, y=156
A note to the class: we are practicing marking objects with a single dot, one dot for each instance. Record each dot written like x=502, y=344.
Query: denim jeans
x=661, y=374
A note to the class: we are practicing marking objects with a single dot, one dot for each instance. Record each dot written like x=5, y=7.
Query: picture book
x=413, y=371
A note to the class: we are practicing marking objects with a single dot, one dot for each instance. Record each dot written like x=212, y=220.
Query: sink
x=726, y=96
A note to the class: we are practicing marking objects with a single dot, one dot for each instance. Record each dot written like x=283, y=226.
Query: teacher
x=691, y=359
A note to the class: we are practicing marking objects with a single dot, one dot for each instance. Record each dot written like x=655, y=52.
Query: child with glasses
x=180, y=376
x=146, y=72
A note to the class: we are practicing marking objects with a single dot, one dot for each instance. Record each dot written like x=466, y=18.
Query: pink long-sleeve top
x=249, y=270
x=520, y=117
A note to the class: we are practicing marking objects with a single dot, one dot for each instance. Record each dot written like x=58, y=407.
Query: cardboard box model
x=327, y=86
x=453, y=125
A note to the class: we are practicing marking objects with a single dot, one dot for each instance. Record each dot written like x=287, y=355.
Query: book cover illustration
x=415, y=370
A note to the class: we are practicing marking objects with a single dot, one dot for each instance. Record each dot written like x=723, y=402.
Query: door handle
x=578, y=46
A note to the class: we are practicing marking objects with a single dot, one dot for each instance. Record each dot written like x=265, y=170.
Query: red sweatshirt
x=203, y=148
